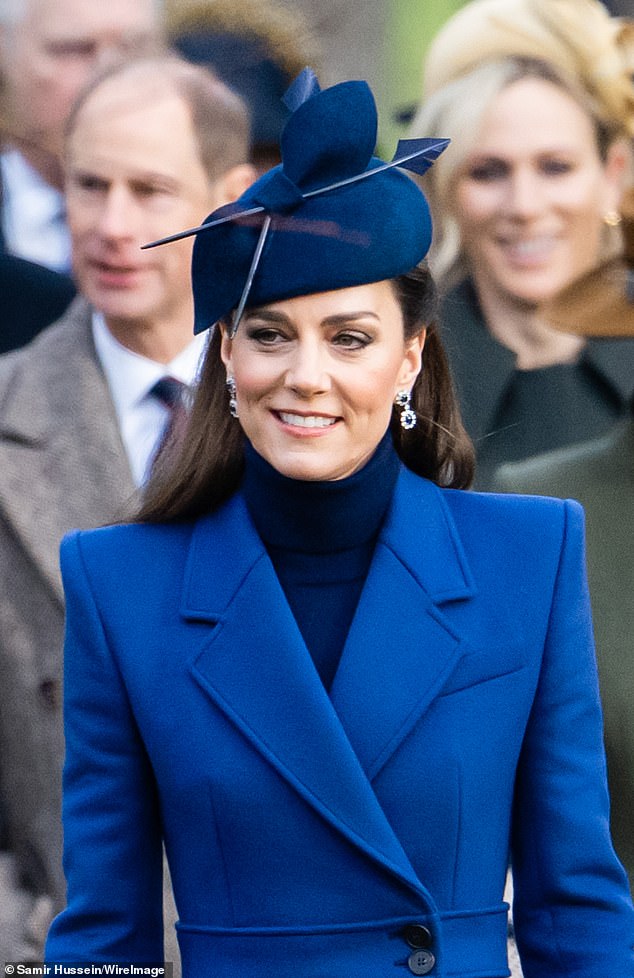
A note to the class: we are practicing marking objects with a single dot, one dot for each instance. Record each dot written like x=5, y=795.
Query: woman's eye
x=554, y=167
x=488, y=170
x=265, y=335
x=352, y=341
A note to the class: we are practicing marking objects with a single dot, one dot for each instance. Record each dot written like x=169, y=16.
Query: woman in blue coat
x=335, y=686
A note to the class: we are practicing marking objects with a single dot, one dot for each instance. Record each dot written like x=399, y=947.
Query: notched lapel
x=258, y=671
x=401, y=648
x=397, y=657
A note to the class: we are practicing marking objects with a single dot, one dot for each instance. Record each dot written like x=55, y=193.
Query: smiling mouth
x=306, y=420
x=530, y=248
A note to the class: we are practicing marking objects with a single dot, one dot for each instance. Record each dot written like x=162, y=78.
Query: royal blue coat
x=307, y=832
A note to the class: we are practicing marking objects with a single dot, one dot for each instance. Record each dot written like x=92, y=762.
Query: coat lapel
x=258, y=671
x=473, y=354
x=401, y=648
x=63, y=462
x=613, y=359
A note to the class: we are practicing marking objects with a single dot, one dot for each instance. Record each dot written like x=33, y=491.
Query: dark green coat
x=514, y=414
x=600, y=475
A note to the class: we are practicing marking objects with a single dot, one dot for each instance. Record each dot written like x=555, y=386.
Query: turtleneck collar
x=320, y=517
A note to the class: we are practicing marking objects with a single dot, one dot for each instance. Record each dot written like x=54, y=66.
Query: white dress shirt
x=33, y=215
x=130, y=377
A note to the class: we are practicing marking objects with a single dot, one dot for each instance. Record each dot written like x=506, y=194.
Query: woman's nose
x=525, y=194
x=307, y=373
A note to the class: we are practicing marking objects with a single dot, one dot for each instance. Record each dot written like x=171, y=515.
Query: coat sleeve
x=572, y=913
x=112, y=835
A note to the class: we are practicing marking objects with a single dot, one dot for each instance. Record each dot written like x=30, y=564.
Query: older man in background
x=153, y=145
x=48, y=50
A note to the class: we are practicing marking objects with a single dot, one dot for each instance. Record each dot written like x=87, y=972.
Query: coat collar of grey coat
x=62, y=462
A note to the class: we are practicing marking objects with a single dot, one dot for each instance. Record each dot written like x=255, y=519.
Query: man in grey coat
x=153, y=145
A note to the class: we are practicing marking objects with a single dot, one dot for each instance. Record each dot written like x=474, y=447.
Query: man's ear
x=235, y=181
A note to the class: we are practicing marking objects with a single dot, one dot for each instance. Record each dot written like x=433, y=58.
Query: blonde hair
x=456, y=111
x=588, y=46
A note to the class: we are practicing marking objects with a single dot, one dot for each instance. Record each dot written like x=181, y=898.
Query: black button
x=417, y=936
x=421, y=962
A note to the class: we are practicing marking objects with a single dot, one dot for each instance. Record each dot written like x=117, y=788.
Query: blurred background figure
x=48, y=50
x=537, y=97
x=600, y=473
x=257, y=47
x=33, y=296
x=620, y=8
x=152, y=146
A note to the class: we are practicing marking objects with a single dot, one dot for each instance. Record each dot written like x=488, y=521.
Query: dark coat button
x=417, y=936
x=421, y=962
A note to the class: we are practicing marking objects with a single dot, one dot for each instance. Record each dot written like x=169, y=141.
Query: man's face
x=134, y=174
x=48, y=56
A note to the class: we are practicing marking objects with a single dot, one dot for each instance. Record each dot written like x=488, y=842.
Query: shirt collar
x=28, y=190
x=130, y=376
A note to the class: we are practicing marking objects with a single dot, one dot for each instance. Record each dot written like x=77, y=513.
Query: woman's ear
x=412, y=361
x=618, y=169
x=226, y=347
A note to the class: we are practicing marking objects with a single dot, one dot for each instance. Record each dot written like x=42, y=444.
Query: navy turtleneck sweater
x=320, y=537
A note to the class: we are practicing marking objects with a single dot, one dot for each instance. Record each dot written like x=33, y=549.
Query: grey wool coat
x=62, y=465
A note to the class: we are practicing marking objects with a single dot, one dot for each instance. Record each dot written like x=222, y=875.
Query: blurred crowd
x=123, y=122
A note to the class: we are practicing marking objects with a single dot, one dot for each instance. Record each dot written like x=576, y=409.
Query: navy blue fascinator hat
x=330, y=216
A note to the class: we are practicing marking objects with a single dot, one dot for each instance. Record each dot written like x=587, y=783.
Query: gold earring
x=612, y=219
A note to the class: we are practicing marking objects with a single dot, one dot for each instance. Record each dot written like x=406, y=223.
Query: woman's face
x=316, y=377
x=531, y=198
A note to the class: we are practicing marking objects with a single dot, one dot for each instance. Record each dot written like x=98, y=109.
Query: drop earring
x=408, y=417
x=231, y=391
x=612, y=219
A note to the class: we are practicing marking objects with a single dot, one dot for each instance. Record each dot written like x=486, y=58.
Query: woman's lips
x=529, y=252
x=306, y=424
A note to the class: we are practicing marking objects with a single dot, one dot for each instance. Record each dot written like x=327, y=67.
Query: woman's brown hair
x=206, y=467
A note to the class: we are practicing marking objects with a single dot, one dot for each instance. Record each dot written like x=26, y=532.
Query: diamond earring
x=408, y=417
x=233, y=403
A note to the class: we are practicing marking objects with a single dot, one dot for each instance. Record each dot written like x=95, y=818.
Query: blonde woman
x=537, y=98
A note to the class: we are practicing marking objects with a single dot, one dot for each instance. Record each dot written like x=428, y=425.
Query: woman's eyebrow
x=350, y=317
x=266, y=315
x=272, y=316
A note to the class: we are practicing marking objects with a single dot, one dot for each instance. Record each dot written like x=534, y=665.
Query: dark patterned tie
x=172, y=394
